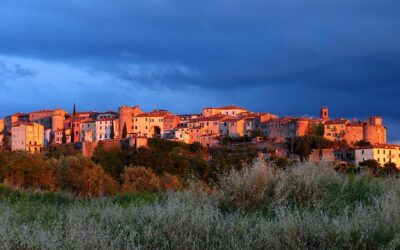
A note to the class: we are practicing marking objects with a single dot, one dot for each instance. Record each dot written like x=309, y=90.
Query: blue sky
x=287, y=57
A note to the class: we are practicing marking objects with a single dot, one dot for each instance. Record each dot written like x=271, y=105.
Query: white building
x=103, y=128
x=99, y=130
x=381, y=153
x=27, y=136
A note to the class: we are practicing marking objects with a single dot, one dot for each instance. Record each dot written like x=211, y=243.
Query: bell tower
x=324, y=113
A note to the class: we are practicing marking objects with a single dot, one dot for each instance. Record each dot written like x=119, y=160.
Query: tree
x=320, y=130
x=371, y=165
x=124, y=131
x=140, y=179
x=64, y=137
x=170, y=182
x=255, y=133
x=72, y=131
x=4, y=143
x=82, y=177
x=26, y=170
x=362, y=143
x=301, y=146
x=195, y=147
x=74, y=111
x=112, y=134
x=391, y=168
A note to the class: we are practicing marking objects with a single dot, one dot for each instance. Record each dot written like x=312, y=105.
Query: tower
x=324, y=113
x=126, y=117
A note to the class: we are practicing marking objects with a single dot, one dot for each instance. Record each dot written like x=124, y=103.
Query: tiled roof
x=26, y=123
x=379, y=146
x=337, y=121
x=218, y=117
x=155, y=113
x=230, y=107
x=47, y=110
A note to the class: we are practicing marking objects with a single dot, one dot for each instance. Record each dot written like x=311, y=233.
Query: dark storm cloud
x=288, y=56
x=14, y=71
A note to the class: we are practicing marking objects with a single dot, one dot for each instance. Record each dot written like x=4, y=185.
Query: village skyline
x=393, y=129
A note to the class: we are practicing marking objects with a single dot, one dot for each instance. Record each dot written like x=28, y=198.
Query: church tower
x=324, y=113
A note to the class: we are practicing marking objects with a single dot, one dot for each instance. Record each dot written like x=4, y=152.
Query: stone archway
x=155, y=132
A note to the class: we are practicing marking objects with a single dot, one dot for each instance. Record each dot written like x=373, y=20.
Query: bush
x=82, y=177
x=139, y=179
x=307, y=185
x=253, y=186
x=170, y=182
x=25, y=170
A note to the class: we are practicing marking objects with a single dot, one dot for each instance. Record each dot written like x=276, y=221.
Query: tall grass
x=261, y=207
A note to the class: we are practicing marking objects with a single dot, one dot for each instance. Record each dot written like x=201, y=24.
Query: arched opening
x=155, y=132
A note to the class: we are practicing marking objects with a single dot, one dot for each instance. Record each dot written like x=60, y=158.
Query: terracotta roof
x=18, y=123
x=230, y=107
x=106, y=119
x=48, y=110
x=337, y=121
x=88, y=121
x=170, y=116
x=155, y=113
x=18, y=114
x=379, y=146
x=234, y=119
x=218, y=117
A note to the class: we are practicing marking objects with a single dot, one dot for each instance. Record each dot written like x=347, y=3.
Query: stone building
x=2, y=125
x=27, y=136
x=11, y=119
x=287, y=127
x=233, y=127
x=371, y=131
x=127, y=116
x=226, y=110
x=382, y=153
x=152, y=124
x=51, y=120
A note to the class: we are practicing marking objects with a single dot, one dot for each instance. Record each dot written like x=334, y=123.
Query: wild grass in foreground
x=261, y=207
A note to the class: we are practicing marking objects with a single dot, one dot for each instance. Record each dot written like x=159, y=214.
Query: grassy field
x=261, y=207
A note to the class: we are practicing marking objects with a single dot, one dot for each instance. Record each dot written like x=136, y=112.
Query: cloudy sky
x=287, y=57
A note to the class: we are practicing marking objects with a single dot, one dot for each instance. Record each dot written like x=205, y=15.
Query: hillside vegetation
x=260, y=206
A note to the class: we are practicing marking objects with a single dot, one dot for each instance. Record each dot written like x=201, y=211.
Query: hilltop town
x=353, y=141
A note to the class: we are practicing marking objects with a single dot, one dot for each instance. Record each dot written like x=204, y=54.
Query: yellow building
x=226, y=110
x=151, y=124
x=28, y=136
x=1, y=125
x=384, y=153
x=233, y=127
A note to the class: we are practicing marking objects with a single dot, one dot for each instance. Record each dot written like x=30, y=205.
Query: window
x=362, y=152
x=135, y=127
